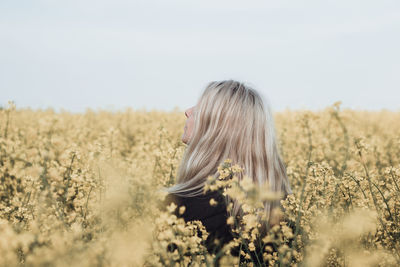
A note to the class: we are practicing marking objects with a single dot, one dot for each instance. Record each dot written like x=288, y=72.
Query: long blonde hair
x=232, y=120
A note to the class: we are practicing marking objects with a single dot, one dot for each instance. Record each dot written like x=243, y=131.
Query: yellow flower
x=213, y=202
x=247, y=183
x=227, y=161
x=172, y=207
x=182, y=210
x=251, y=246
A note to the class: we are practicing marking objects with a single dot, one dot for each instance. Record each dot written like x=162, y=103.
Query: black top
x=212, y=217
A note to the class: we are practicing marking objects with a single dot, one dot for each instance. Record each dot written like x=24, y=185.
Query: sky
x=160, y=54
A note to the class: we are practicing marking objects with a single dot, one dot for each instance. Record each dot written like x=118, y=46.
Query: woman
x=230, y=120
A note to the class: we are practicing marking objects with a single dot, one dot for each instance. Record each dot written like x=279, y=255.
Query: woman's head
x=230, y=120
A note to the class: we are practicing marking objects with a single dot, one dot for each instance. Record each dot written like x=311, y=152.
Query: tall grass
x=82, y=190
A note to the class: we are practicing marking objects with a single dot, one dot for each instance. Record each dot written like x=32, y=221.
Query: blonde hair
x=232, y=120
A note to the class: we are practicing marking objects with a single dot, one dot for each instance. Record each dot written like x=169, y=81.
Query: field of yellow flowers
x=82, y=190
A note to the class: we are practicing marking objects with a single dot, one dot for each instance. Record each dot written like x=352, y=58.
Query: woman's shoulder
x=168, y=200
x=210, y=198
x=209, y=206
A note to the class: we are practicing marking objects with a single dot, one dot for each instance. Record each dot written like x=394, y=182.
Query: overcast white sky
x=75, y=54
